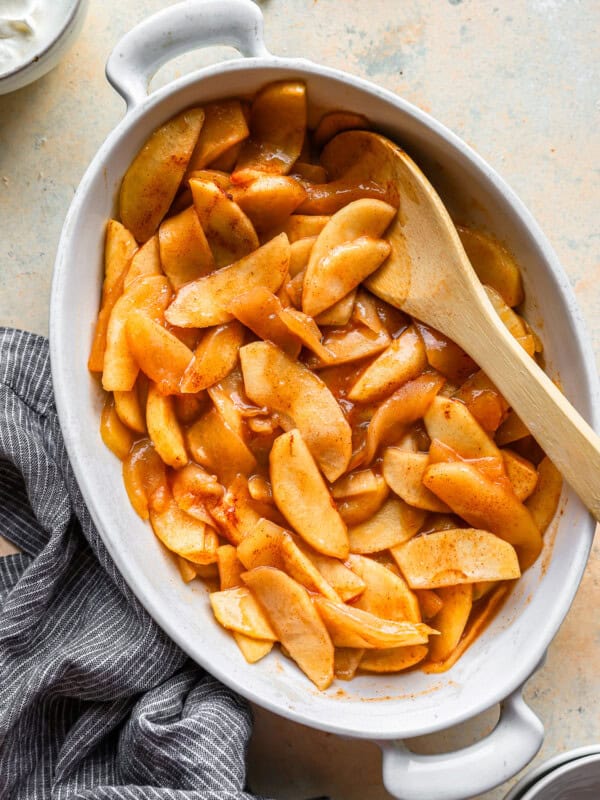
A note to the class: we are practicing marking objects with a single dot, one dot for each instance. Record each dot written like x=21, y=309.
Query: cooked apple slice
x=463, y=555
x=446, y=356
x=452, y=423
x=229, y=232
x=402, y=361
x=300, y=567
x=260, y=489
x=352, y=343
x=180, y=533
x=408, y=404
x=393, y=659
x=512, y=321
x=237, y=514
x=143, y=473
x=483, y=400
x=352, y=627
x=340, y=271
x=230, y=567
x=214, y=358
x=451, y=620
x=394, y=523
x=287, y=387
x=306, y=330
x=148, y=295
x=160, y=355
x=486, y=504
x=346, y=661
x=268, y=200
x=237, y=610
x=262, y=546
x=361, y=502
x=335, y=122
x=386, y=595
x=129, y=409
x=224, y=127
x=299, y=226
x=493, y=264
x=259, y=309
x=339, y=313
x=429, y=602
x=303, y=498
x=164, y=428
x=521, y=473
x=115, y=435
x=184, y=251
x=403, y=473
x=543, y=503
x=300, y=251
x=252, y=649
x=194, y=489
x=308, y=173
x=204, y=302
x=119, y=249
x=214, y=445
x=152, y=180
x=295, y=621
x=145, y=262
x=511, y=430
x=343, y=581
x=277, y=130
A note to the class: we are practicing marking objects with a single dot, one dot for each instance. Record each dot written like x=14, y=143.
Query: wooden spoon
x=429, y=276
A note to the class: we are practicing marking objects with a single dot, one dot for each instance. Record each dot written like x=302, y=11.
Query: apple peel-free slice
x=237, y=610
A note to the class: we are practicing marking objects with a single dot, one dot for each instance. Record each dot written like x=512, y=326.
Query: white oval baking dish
x=386, y=709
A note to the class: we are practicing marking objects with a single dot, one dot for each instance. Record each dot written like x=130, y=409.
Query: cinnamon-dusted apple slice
x=274, y=380
x=339, y=313
x=486, y=504
x=299, y=226
x=277, y=130
x=259, y=309
x=352, y=627
x=145, y=262
x=217, y=447
x=115, y=434
x=148, y=295
x=463, y=555
x=160, y=354
x=359, y=495
x=229, y=232
x=394, y=523
x=344, y=582
x=237, y=610
x=386, y=595
x=340, y=271
x=180, y=533
x=143, y=473
x=542, y=504
x=402, y=361
x=335, y=122
x=394, y=659
x=452, y=423
x=153, y=178
x=268, y=200
x=295, y=621
x=128, y=406
x=214, y=358
x=346, y=661
x=224, y=126
x=302, y=496
x=493, y=264
x=521, y=473
x=184, y=251
x=204, y=302
x=403, y=472
x=451, y=620
x=164, y=428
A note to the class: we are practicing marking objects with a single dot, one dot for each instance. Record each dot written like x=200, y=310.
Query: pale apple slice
x=230, y=567
x=493, y=264
x=451, y=620
x=129, y=409
x=268, y=200
x=395, y=522
x=216, y=446
x=346, y=661
x=143, y=473
x=160, y=355
x=164, y=428
x=352, y=627
x=194, y=489
x=299, y=566
x=515, y=324
x=386, y=594
x=393, y=659
x=252, y=649
x=274, y=380
x=402, y=361
x=295, y=621
x=277, y=130
x=188, y=537
x=303, y=498
x=408, y=404
x=356, y=509
x=521, y=473
x=452, y=423
x=345, y=345
x=306, y=330
x=429, y=602
x=237, y=610
x=145, y=262
x=214, y=358
x=343, y=581
x=237, y=514
x=154, y=175
x=463, y=555
x=340, y=313
x=228, y=230
x=204, y=302
x=148, y=295
x=543, y=503
x=224, y=127
x=184, y=251
x=262, y=546
x=486, y=504
x=403, y=473
x=342, y=269
x=300, y=251
x=299, y=226
x=259, y=309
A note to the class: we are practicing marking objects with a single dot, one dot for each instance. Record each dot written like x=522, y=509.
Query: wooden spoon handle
x=563, y=434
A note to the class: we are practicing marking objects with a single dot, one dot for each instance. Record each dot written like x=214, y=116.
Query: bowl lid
x=518, y=792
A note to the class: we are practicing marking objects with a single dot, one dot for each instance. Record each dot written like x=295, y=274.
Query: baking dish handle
x=471, y=771
x=178, y=29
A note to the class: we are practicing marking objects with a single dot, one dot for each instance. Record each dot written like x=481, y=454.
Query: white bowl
x=382, y=708
x=60, y=22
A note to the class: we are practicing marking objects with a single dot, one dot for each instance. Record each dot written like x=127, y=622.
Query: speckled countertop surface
x=518, y=80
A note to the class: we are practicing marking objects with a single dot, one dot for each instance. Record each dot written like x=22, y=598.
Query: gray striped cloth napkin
x=95, y=700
